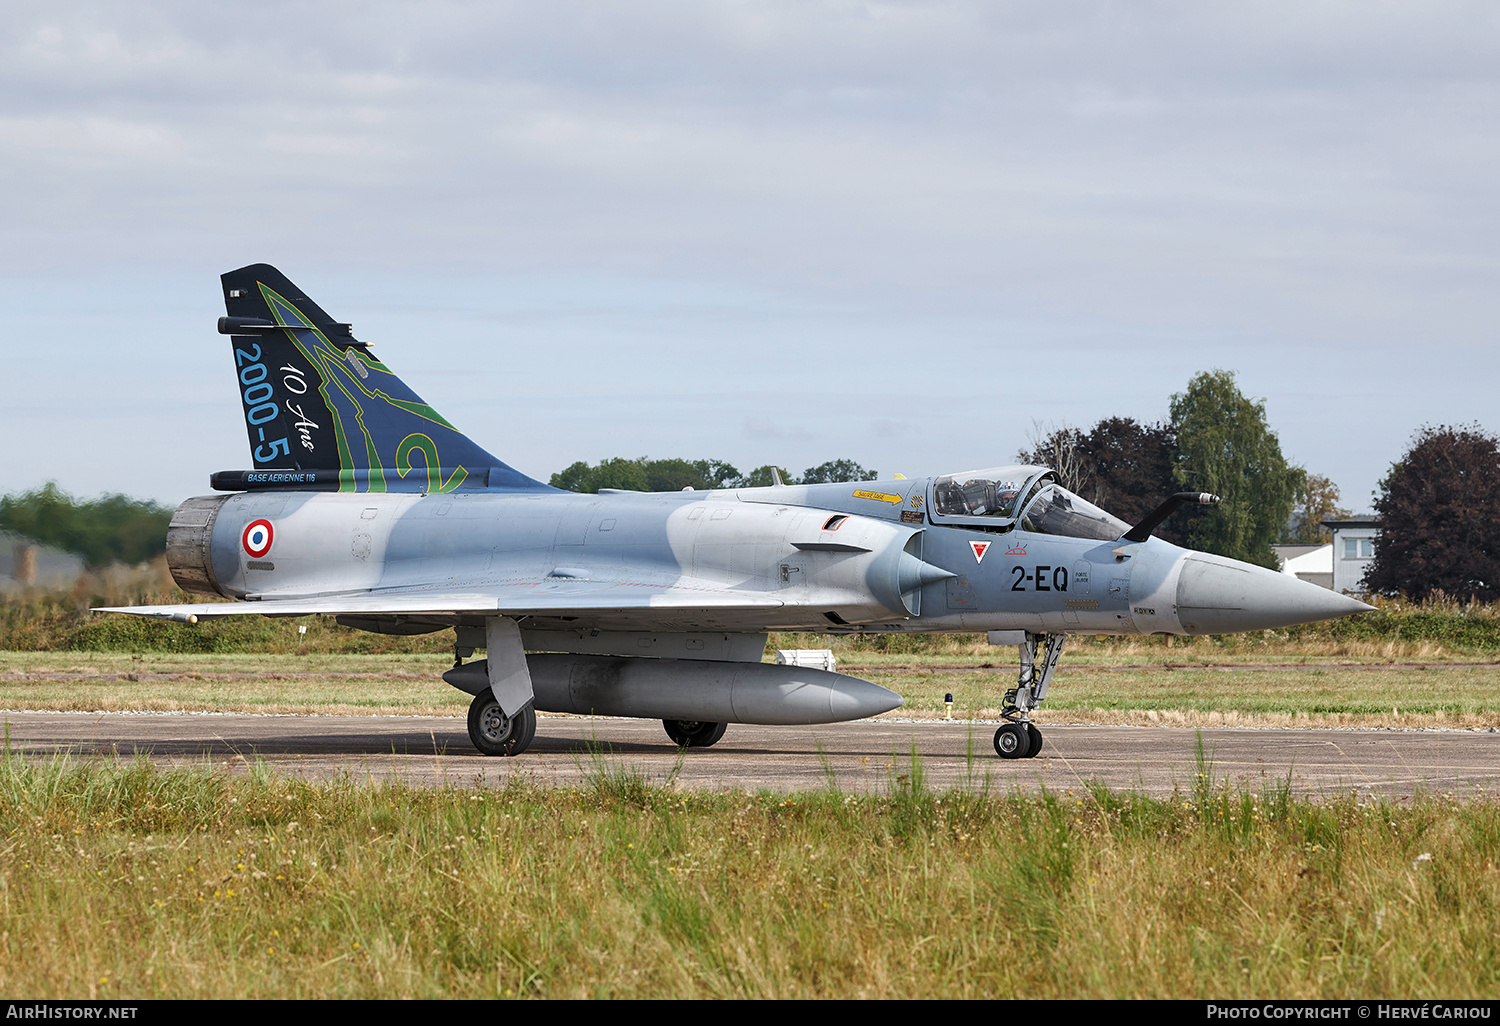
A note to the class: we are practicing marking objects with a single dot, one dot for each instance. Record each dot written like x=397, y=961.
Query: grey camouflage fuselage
x=365, y=504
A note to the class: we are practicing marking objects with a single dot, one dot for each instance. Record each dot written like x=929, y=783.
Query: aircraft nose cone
x=1216, y=595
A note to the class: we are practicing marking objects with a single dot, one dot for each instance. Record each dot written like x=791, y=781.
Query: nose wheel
x=1018, y=741
x=1018, y=737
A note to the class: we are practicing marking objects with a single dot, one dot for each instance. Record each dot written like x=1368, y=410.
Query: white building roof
x=1318, y=561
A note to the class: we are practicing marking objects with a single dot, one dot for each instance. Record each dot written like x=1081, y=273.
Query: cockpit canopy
x=980, y=493
x=1055, y=510
x=1020, y=496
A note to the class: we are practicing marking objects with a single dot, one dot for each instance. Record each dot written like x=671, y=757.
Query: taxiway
x=863, y=756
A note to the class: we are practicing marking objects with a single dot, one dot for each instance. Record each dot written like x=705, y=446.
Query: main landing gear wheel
x=1036, y=740
x=495, y=733
x=1014, y=741
x=693, y=733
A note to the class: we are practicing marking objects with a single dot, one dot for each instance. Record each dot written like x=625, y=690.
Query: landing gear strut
x=1018, y=737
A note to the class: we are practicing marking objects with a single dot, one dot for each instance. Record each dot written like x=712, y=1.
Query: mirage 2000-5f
x=365, y=504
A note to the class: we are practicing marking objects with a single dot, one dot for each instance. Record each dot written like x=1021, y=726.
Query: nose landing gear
x=1018, y=737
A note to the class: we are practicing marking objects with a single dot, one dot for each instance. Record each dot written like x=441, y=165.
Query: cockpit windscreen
x=1055, y=510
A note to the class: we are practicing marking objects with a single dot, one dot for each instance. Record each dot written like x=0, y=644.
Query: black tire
x=1036, y=740
x=494, y=733
x=1012, y=741
x=693, y=733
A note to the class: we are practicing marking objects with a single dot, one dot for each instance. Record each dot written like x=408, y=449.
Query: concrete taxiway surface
x=864, y=756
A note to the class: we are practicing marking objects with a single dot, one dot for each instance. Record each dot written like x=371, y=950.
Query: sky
x=908, y=234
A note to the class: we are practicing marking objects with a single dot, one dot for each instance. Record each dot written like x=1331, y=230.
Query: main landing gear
x=1018, y=737
x=693, y=733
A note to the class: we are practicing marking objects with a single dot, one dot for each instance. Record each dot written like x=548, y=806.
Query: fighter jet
x=365, y=504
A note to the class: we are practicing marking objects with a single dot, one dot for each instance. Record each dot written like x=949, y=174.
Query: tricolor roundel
x=257, y=538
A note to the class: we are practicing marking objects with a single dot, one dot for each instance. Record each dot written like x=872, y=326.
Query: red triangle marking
x=979, y=550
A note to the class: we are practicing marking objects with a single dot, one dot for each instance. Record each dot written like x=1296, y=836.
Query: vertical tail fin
x=322, y=412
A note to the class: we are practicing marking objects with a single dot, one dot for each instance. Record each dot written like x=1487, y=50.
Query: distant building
x=1310, y=563
x=28, y=564
x=1354, y=542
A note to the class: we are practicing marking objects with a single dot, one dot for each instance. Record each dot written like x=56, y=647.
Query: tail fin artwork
x=323, y=413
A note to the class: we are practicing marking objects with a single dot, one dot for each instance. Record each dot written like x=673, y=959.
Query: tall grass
x=127, y=881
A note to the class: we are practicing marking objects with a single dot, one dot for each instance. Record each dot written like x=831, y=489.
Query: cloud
x=938, y=192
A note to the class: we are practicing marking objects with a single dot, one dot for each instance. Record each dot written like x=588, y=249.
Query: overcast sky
x=900, y=233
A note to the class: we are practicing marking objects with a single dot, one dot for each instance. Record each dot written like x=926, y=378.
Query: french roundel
x=257, y=538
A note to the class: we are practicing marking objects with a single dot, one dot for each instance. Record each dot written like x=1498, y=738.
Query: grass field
x=120, y=880
x=128, y=882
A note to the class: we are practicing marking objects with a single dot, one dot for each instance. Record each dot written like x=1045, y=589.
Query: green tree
x=574, y=478
x=717, y=474
x=102, y=530
x=760, y=477
x=646, y=475
x=1225, y=447
x=619, y=472
x=837, y=470
x=1317, y=501
x=672, y=475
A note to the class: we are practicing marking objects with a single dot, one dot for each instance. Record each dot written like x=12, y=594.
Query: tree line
x=1214, y=440
x=117, y=528
x=671, y=475
x=1439, y=505
x=111, y=528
